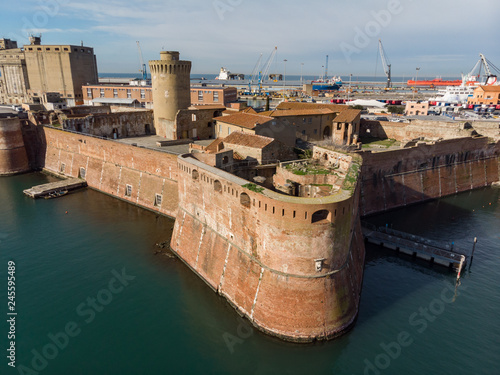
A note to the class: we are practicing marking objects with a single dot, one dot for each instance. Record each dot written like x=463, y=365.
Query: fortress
x=281, y=241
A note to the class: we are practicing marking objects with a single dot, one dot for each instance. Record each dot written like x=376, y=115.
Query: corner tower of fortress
x=171, y=91
x=13, y=157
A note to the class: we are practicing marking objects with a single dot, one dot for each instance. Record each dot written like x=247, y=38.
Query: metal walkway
x=443, y=254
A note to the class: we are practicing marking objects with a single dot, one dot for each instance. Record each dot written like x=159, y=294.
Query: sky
x=442, y=38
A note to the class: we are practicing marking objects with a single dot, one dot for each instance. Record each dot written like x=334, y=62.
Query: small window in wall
x=143, y=94
x=225, y=160
x=218, y=186
x=83, y=173
x=216, y=96
x=195, y=174
x=63, y=167
x=319, y=216
x=101, y=92
x=129, y=94
x=158, y=198
x=245, y=199
x=128, y=190
x=200, y=96
x=89, y=93
x=193, y=117
x=115, y=93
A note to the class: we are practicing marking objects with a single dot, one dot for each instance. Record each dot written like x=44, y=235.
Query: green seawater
x=162, y=319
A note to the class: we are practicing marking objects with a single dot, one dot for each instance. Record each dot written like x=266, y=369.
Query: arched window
x=245, y=199
x=195, y=174
x=218, y=186
x=320, y=216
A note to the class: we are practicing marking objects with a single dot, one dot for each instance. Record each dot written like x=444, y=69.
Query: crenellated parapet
x=170, y=78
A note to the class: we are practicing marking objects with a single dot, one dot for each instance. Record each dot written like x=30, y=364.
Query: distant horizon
x=424, y=35
x=345, y=78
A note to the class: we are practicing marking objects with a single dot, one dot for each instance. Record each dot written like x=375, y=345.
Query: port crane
x=143, y=66
x=267, y=66
x=488, y=66
x=326, y=68
x=386, y=64
x=259, y=75
x=255, y=73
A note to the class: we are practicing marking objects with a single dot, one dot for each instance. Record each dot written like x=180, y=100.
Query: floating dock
x=54, y=187
x=443, y=254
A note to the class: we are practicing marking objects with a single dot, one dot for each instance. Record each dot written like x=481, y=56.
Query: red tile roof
x=244, y=120
x=300, y=112
x=248, y=140
x=301, y=105
x=347, y=115
x=213, y=147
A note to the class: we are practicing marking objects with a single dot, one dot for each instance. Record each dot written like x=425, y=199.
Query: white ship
x=226, y=75
x=461, y=94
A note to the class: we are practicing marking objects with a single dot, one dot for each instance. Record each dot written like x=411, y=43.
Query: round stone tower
x=171, y=91
x=13, y=157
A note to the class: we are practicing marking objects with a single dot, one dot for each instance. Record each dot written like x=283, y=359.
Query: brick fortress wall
x=13, y=157
x=397, y=178
x=258, y=250
x=110, y=166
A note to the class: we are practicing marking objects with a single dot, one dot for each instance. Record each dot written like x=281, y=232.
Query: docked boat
x=460, y=94
x=226, y=75
x=56, y=194
x=332, y=84
x=434, y=82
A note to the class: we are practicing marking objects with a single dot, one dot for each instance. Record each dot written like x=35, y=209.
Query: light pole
x=349, y=92
x=284, y=78
x=416, y=79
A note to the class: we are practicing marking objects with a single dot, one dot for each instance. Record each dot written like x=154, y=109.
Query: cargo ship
x=434, y=82
x=332, y=84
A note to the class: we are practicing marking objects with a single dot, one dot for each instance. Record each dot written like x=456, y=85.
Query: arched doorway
x=327, y=132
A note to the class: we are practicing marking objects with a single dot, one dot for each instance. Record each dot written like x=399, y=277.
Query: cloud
x=439, y=36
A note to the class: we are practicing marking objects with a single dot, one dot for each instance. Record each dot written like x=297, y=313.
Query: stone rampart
x=131, y=173
x=293, y=266
x=13, y=157
x=397, y=178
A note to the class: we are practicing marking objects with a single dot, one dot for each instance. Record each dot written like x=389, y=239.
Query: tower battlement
x=170, y=79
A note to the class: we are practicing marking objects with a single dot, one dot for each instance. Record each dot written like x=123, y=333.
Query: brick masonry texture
x=13, y=156
x=259, y=252
x=397, y=178
x=111, y=166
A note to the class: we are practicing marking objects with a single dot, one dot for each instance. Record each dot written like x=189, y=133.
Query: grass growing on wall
x=254, y=187
x=352, y=176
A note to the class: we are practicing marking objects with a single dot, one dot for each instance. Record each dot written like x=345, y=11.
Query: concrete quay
x=52, y=187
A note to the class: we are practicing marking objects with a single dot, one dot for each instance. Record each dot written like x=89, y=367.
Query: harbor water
x=93, y=296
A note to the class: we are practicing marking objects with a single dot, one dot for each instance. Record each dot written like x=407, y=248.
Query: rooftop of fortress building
x=302, y=106
x=347, y=115
x=298, y=112
x=245, y=120
x=247, y=140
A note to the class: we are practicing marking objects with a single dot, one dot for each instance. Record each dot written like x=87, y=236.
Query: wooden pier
x=55, y=187
x=443, y=254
